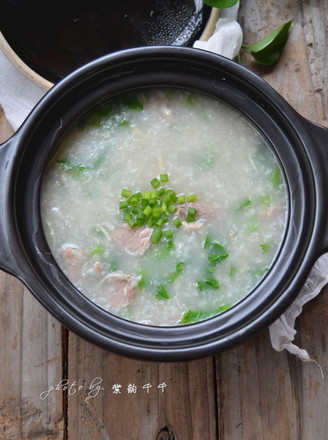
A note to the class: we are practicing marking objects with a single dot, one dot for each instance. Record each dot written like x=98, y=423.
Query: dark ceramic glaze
x=300, y=146
x=55, y=37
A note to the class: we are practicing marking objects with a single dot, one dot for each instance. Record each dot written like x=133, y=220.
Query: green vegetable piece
x=143, y=280
x=209, y=283
x=126, y=193
x=190, y=218
x=156, y=235
x=161, y=192
x=164, y=177
x=171, y=209
x=148, y=210
x=232, y=271
x=133, y=102
x=169, y=244
x=268, y=50
x=181, y=199
x=193, y=316
x=190, y=100
x=191, y=198
x=123, y=204
x=266, y=201
x=244, y=204
x=174, y=275
x=155, y=182
x=132, y=223
x=252, y=224
x=276, y=177
x=168, y=233
x=191, y=212
x=265, y=247
x=177, y=222
x=221, y=4
x=76, y=170
x=98, y=250
x=217, y=253
x=161, y=292
x=124, y=123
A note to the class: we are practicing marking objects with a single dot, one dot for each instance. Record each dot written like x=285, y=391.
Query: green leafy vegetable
x=133, y=103
x=252, y=224
x=75, y=169
x=232, y=271
x=276, y=177
x=174, y=275
x=209, y=283
x=193, y=316
x=221, y=4
x=244, y=204
x=161, y=292
x=266, y=247
x=217, y=253
x=269, y=49
x=98, y=250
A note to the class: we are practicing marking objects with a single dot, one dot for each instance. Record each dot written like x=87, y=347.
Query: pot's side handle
x=319, y=135
x=7, y=246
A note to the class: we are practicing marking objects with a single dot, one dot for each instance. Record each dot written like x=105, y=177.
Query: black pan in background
x=54, y=38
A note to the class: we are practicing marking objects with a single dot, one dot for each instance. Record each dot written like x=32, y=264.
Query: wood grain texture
x=247, y=393
x=263, y=394
x=30, y=359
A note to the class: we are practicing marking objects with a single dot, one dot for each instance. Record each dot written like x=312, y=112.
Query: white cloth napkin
x=18, y=96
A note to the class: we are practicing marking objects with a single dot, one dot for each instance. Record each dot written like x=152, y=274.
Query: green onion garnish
x=177, y=222
x=156, y=235
x=161, y=292
x=155, y=182
x=126, y=193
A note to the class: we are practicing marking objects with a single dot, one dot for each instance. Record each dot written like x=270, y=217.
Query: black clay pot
x=300, y=146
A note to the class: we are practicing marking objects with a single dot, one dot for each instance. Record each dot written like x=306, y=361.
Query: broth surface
x=203, y=155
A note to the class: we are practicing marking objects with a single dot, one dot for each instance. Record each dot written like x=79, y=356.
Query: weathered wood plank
x=180, y=398
x=261, y=393
x=30, y=358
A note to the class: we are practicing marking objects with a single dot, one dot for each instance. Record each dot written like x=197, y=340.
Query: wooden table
x=248, y=393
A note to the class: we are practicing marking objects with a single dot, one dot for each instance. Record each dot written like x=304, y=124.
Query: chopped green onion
x=171, y=209
x=156, y=235
x=131, y=223
x=164, y=177
x=126, y=193
x=148, y=210
x=168, y=233
x=191, y=198
x=169, y=244
x=123, y=204
x=155, y=182
x=181, y=199
x=191, y=212
x=177, y=222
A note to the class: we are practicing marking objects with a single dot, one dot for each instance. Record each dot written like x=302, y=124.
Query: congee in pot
x=164, y=207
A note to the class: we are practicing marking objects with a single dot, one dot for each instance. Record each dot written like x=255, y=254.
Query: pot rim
x=256, y=310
